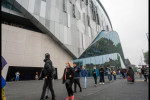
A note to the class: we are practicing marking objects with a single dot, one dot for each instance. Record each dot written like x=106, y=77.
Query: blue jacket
x=97, y=72
x=77, y=73
x=84, y=73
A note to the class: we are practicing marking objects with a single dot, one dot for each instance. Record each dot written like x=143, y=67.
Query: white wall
x=22, y=47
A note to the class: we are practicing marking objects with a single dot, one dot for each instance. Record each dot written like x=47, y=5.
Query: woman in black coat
x=68, y=77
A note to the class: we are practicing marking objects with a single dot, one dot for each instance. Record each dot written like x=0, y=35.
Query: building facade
x=64, y=28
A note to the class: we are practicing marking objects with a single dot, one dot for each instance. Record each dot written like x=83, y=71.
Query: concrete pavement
x=115, y=90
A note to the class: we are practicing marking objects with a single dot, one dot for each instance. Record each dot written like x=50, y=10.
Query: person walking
x=17, y=76
x=36, y=76
x=114, y=74
x=41, y=76
x=130, y=74
x=144, y=71
x=119, y=73
x=77, y=71
x=109, y=73
x=122, y=73
x=84, y=76
x=140, y=73
x=68, y=78
x=101, y=73
x=125, y=73
x=95, y=74
x=48, y=72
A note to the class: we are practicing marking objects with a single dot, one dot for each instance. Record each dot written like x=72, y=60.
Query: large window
x=87, y=2
x=64, y=5
x=8, y=5
x=43, y=9
x=88, y=20
x=73, y=11
x=103, y=51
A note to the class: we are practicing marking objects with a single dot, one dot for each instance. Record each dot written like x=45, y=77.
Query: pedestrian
x=68, y=78
x=122, y=73
x=140, y=73
x=36, y=76
x=95, y=74
x=145, y=72
x=130, y=74
x=17, y=75
x=47, y=89
x=137, y=71
x=84, y=75
x=119, y=73
x=109, y=74
x=48, y=72
x=114, y=74
x=125, y=73
x=77, y=71
x=101, y=73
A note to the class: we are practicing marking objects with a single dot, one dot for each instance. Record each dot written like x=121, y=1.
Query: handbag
x=67, y=81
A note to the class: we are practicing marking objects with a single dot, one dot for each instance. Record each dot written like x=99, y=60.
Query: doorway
x=26, y=73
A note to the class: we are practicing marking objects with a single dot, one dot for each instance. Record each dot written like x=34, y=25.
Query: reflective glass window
x=64, y=6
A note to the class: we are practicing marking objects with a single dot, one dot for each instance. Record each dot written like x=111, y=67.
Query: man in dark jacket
x=77, y=71
x=101, y=73
x=144, y=71
x=122, y=72
x=48, y=75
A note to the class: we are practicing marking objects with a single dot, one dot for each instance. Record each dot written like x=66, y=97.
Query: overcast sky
x=130, y=19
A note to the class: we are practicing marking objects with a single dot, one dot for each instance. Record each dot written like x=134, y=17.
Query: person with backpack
x=68, y=79
x=101, y=73
x=42, y=77
x=95, y=74
x=144, y=71
x=48, y=74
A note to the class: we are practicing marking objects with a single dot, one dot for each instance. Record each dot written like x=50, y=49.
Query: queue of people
x=72, y=76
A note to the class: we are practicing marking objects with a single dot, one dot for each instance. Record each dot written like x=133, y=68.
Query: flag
x=3, y=82
x=3, y=62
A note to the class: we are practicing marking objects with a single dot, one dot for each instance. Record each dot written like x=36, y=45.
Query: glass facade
x=6, y=4
x=104, y=51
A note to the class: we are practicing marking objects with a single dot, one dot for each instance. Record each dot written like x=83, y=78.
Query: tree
x=146, y=57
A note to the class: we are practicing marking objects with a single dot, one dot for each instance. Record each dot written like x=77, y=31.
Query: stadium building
x=70, y=30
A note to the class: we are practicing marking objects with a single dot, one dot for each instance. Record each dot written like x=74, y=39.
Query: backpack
x=53, y=71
